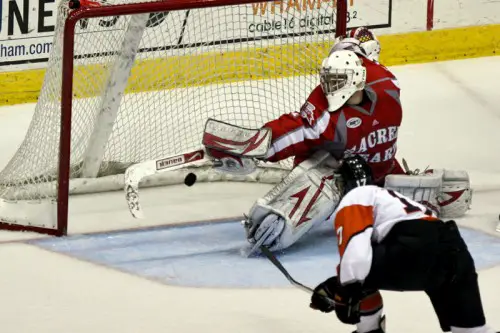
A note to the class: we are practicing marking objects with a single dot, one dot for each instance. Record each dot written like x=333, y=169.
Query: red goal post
x=117, y=93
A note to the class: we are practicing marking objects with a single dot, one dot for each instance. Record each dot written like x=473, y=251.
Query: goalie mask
x=355, y=172
x=341, y=75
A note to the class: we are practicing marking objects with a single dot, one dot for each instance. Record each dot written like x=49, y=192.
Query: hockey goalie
x=355, y=110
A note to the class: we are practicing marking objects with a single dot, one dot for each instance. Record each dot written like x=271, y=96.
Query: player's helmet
x=361, y=41
x=367, y=41
x=341, y=75
x=355, y=172
x=347, y=43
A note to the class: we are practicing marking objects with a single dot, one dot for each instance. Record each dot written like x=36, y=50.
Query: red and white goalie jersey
x=364, y=216
x=369, y=129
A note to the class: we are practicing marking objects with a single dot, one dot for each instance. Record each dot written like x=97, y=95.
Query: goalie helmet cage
x=128, y=82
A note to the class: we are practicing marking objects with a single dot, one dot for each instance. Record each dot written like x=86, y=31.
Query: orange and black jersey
x=364, y=216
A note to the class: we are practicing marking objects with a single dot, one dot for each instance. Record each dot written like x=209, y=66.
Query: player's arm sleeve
x=354, y=227
x=294, y=135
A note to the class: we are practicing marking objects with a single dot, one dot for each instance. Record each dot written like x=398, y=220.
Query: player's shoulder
x=375, y=71
x=361, y=191
x=314, y=107
x=361, y=195
x=317, y=98
x=374, y=65
x=390, y=196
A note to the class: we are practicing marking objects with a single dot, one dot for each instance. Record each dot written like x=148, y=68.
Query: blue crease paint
x=209, y=255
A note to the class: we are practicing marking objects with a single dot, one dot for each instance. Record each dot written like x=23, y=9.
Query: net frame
x=66, y=102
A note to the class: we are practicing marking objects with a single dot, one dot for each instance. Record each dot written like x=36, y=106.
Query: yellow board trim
x=398, y=49
x=440, y=45
x=20, y=87
x=211, y=68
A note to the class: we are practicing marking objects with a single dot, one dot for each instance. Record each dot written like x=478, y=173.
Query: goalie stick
x=229, y=148
x=272, y=258
x=135, y=173
x=220, y=161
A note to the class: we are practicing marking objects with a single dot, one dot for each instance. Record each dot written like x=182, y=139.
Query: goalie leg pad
x=423, y=188
x=306, y=197
x=447, y=192
x=455, y=197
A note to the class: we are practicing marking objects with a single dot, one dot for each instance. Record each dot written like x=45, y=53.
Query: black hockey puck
x=74, y=4
x=190, y=179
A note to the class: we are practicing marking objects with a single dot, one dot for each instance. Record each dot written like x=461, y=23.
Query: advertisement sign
x=27, y=26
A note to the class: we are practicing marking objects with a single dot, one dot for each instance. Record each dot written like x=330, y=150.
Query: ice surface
x=209, y=255
x=451, y=120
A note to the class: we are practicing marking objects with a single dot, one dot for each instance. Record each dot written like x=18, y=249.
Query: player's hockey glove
x=345, y=300
x=322, y=298
x=347, y=303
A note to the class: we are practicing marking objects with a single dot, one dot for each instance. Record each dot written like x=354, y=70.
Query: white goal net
x=143, y=86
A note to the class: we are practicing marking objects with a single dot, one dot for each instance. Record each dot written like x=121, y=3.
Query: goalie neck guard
x=355, y=172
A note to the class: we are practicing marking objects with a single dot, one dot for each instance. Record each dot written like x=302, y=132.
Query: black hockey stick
x=272, y=258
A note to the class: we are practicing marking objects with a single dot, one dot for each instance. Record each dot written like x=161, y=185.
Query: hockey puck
x=190, y=179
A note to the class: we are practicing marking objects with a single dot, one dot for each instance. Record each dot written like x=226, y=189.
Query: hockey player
x=389, y=242
x=360, y=40
x=355, y=110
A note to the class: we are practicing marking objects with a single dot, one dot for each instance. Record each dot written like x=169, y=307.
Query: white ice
x=451, y=119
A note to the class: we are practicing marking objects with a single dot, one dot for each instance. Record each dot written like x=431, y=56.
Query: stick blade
x=134, y=206
x=133, y=175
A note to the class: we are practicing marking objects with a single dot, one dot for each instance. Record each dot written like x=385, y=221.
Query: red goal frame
x=91, y=11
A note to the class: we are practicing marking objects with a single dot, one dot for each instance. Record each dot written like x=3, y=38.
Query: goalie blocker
x=235, y=140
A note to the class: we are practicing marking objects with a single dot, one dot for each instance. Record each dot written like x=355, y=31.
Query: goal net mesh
x=243, y=64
